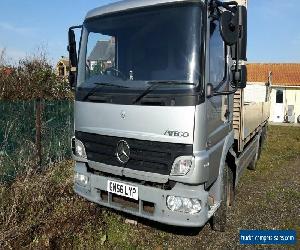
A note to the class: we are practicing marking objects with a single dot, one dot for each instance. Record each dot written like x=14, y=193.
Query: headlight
x=184, y=205
x=182, y=166
x=79, y=149
x=81, y=179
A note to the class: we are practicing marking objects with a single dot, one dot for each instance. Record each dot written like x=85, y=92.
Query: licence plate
x=123, y=189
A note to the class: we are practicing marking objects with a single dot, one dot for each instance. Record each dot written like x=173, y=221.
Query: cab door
x=217, y=107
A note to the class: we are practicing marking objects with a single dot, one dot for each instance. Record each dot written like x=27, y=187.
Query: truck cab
x=155, y=84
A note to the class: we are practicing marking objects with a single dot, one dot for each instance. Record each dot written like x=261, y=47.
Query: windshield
x=160, y=44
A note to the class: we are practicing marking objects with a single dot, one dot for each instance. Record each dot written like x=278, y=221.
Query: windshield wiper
x=103, y=84
x=155, y=84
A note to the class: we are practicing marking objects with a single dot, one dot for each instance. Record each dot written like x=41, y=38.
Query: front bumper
x=156, y=196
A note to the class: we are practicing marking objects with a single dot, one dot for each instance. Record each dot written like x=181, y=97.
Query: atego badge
x=177, y=133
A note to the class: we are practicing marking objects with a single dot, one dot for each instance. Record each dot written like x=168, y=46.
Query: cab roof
x=131, y=4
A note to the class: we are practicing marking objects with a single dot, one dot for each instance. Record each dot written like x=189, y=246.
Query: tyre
x=259, y=151
x=230, y=188
x=219, y=219
x=253, y=163
x=263, y=138
x=298, y=119
x=264, y=134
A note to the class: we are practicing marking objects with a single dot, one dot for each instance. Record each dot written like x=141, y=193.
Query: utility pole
x=38, y=131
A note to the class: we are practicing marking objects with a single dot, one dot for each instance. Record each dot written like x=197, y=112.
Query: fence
x=33, y=134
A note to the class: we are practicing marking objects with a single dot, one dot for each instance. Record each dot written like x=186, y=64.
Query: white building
x=285, y=95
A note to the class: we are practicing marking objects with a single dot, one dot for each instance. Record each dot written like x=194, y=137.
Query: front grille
x=147, y=156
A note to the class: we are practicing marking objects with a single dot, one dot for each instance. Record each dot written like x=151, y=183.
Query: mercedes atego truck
x=162, y=127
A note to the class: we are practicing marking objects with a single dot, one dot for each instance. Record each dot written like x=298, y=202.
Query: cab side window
x=217, y=54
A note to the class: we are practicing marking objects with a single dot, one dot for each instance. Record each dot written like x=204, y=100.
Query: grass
x=277, y=170
x=41, y=210
x=283, y=147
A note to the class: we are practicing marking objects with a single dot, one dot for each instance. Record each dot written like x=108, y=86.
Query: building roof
x=283, y=74
x=103, y=51
x=130, y=4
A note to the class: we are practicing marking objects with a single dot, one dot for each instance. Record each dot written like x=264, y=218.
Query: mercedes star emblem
x=123, y=152
x=123, y=114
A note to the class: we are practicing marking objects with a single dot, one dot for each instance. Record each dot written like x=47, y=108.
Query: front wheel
x=219, y=219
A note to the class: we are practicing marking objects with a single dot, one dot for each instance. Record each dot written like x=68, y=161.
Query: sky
x=26, y=25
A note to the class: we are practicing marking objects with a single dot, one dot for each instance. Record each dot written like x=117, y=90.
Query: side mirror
x=242, y=36
x=72, y=48
x=72, y=57
x=229, y=27
x=240, y=77
x=242, y=10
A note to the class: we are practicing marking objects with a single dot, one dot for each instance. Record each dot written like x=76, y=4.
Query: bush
x=30, y=84
x=32, y=78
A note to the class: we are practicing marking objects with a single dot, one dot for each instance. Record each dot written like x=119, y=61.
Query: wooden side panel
x=238, y=117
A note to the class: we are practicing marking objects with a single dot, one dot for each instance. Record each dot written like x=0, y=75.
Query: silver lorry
x=162, y=129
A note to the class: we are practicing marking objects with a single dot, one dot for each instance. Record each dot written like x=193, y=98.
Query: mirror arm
x=223, y=93
x=216, y=93
x=226, y=92
x=76, y=27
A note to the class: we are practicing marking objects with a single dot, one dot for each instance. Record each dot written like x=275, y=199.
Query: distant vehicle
x=162, y=128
